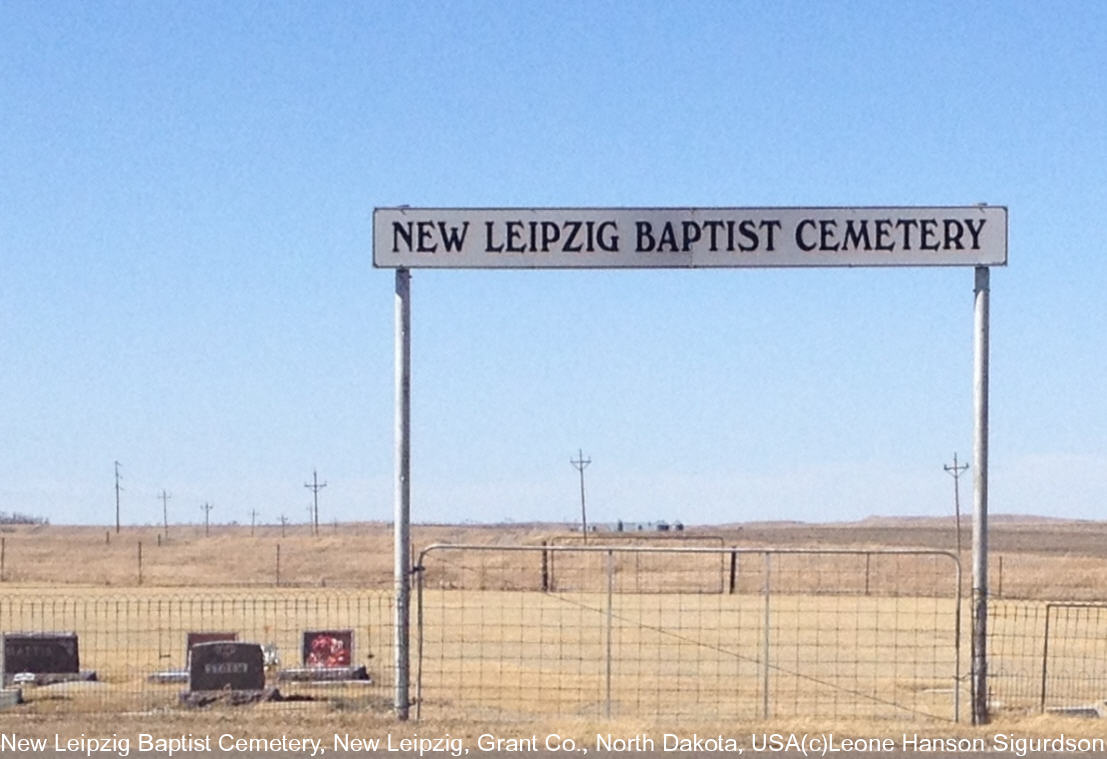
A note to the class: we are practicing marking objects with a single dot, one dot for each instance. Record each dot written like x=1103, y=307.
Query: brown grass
x=1040, y=559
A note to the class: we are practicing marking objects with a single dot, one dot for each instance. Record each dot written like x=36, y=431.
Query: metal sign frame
x=621, y=238
x=801, y=237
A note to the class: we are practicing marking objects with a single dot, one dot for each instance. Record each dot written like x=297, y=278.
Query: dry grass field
x=1030, y=557
x=234, y=579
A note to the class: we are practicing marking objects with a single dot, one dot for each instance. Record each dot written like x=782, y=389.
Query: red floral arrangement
x=328, y=651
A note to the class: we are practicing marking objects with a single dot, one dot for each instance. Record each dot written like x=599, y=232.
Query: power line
x=580, y=464
x=117, y=489
x=207, y=507
x=315, y=487
x=165, y=512
x=956, y=472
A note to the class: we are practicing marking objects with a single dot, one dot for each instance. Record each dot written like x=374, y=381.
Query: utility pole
x=165, y=512
x=580, y=464
x=956, y=471
x=315, y=487
x=253, y=520
x=117, y=489
x=284, y=521
x=207, y=507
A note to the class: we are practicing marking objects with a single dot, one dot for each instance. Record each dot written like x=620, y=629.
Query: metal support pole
x=402, y=494
x=980, y=499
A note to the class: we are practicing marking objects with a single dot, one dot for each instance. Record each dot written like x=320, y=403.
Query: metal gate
x=709, y=633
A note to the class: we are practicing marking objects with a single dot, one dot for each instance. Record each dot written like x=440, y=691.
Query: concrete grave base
x=202, y=698
x=323, y=674
x=50, y=678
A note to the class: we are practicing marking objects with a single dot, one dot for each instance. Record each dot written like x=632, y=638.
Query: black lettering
x=426, y=230
x=928, y=231
x=712, y=228
x=645, y=242
x=488, y=246
x=398, y=231
x=857, y=237
x=551, y=233
x=574, y=229
x=608, y=237
x=906, y=225
x=827, y=233
x=884, y=234
x=975, y=232
x=451, y=239
x=953, y=233
x=770, y=225
x=801, y=243
x=748, y=230
x=667, y=237
x=514, y=232
x=690, y=234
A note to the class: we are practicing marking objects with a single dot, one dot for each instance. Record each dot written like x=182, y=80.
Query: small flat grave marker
x=41, y=653
x=328, y=648
x=226, y=666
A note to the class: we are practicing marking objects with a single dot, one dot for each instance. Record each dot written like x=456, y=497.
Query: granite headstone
x=226, y=666
x=41, y=653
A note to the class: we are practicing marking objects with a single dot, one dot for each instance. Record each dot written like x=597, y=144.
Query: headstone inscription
x=40, y=653
x=226, y=666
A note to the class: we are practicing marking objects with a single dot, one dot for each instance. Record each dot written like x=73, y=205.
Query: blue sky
x=185, y=234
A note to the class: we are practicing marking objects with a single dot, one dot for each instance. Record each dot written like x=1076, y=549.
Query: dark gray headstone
x=328, y=648
x=208, y=637
x=41, y=653
x=231, y=666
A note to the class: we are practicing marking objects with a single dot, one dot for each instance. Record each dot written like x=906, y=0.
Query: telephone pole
x=253, y=520
x=956, y=471
x=580, y=464
x=165, y=512
x=207, y=507
x=315, y=487
x=117, y=489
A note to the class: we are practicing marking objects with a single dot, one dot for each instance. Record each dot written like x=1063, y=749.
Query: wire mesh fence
x=1047, y=655
x=133, y=643
x=693, y=632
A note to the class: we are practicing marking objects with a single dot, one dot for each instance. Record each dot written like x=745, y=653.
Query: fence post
x=545, y=568
x=868, y=557
x=765, y=640
x=1045, y=659
x=140, y=562
x=3, y=555
x=733, y=569
x=278, y=564
x=999, y=585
